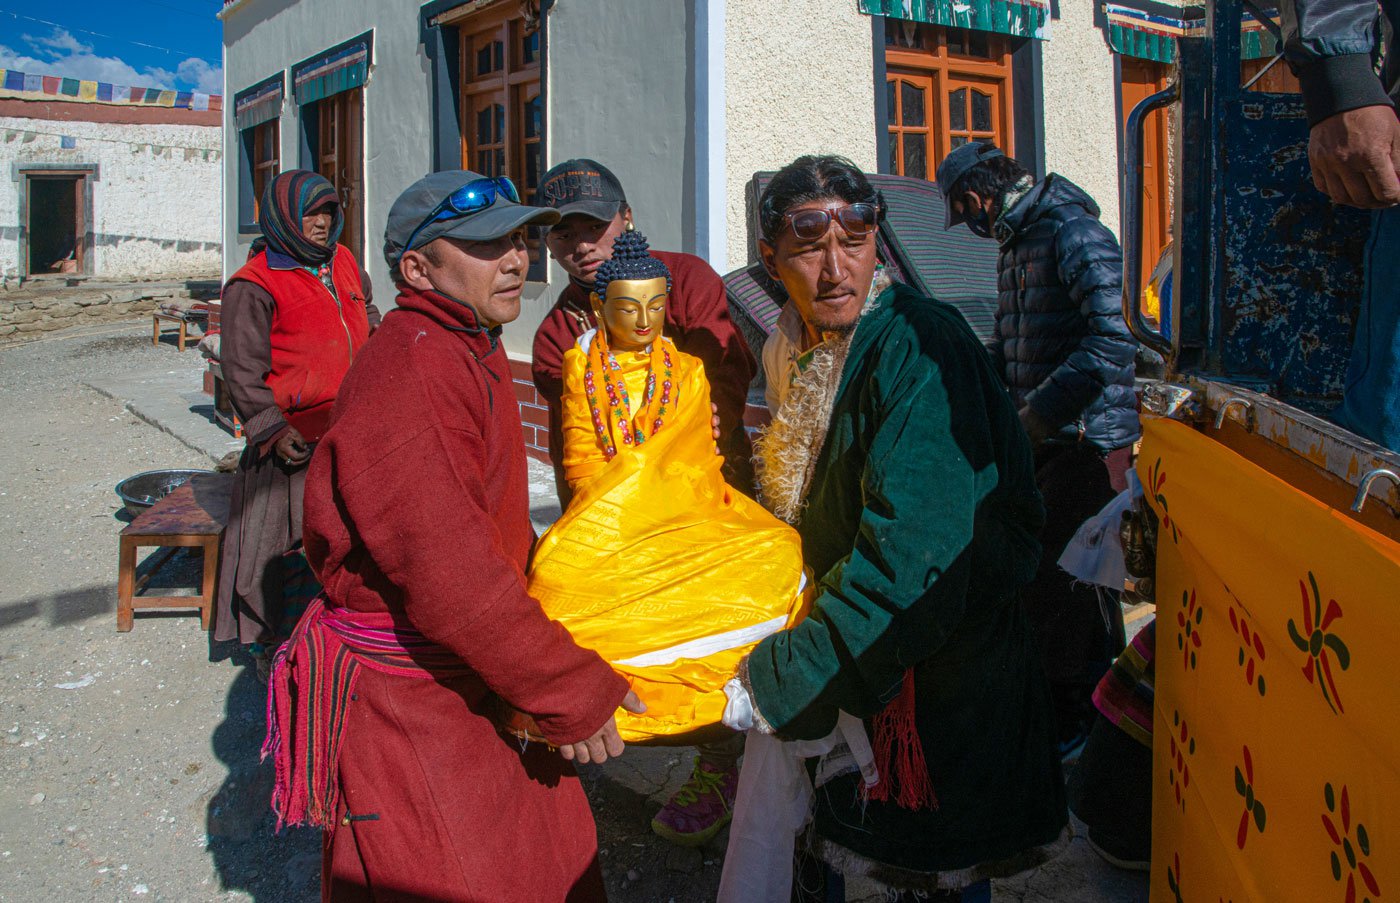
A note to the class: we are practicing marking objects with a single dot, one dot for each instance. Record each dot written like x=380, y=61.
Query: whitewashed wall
x=155, y=203
x=797, y=80
x=1079, y=90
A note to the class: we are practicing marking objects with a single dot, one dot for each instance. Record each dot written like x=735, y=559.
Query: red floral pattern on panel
x=1157, y=480
x=1253, y=808
x=1183, y=746
x=1188, y=628
x=1251, y=656
x=1322, y=646
x=1350, y=848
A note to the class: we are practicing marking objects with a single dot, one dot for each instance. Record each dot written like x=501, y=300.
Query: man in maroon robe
x=417, y=522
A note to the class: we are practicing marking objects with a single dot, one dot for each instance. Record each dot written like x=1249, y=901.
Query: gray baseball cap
x=423, y=197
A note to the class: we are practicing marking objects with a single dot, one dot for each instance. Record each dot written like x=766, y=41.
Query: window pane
x=957, y=110
x=530, y=48
x=483, y=163
x=894, y=154
x=981, y=112
x=959, y=140
x=915, y=156
x=965, y=42
x=532, y=166
x=533, y=117
x=500, y=164
x=891, y=101
x=498, y=56
x=912, y=99
x=483, y=126
x=500, y=112
x=483, y=60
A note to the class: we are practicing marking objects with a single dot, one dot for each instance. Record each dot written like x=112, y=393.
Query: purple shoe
x=701, y=808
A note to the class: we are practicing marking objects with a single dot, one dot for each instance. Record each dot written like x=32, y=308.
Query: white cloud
x=203, y=75
x=61, y=39
x=64, y=55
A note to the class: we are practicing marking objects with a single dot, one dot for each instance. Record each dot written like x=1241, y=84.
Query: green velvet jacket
x=921, y=523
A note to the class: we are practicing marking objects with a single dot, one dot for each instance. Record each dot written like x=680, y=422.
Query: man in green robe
x=898, y=455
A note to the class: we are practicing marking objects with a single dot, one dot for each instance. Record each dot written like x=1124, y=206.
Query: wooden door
x=341, y=159
x=80, y=225
x=1141, y=79
x=56, y=228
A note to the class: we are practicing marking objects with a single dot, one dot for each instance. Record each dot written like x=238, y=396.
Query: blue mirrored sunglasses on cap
x=473, y=197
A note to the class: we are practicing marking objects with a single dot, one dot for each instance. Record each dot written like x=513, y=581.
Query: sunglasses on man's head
x=473, y=197
x=858, y=220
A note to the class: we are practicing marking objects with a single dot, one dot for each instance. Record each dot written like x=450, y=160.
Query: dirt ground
x=129, y=762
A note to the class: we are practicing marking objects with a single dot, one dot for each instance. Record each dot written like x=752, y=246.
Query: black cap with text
x=582, y=186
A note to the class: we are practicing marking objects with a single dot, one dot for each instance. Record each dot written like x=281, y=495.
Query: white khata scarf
x=787, y=449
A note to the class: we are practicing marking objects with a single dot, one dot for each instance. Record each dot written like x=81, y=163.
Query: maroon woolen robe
x=416, y=503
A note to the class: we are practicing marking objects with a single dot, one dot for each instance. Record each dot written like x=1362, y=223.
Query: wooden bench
x=181, y=318
x=193, y=516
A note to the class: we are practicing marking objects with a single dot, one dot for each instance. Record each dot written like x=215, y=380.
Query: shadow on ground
x=61, y=609
x=247, y=852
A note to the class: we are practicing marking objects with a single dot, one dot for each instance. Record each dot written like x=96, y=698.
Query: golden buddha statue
x=671, y=574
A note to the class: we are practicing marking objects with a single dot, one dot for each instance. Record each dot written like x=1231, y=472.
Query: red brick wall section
x=534, y=415
x=214, y=310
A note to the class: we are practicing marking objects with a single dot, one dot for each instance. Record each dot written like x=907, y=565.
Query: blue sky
x=147, y=43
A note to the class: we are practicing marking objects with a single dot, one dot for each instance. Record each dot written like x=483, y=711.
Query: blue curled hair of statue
x=631, y=259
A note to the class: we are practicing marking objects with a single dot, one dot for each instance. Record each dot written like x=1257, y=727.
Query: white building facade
x=685, y=100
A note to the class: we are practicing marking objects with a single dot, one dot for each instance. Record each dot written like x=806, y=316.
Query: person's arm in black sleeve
x=1330, y=45
x=1354, y=138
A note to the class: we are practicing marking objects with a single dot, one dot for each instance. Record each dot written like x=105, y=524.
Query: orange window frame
x=941, y=64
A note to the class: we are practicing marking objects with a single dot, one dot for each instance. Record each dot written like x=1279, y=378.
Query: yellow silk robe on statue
x=668, y=572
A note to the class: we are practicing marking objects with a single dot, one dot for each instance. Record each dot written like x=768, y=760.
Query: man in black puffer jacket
x=1067, y=358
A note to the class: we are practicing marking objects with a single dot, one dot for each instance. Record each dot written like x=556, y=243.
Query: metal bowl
x=145, y=489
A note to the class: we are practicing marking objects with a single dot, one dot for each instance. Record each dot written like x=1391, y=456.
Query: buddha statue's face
x=633, y=312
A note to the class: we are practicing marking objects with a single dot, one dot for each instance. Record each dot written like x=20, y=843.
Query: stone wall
x=27, y=314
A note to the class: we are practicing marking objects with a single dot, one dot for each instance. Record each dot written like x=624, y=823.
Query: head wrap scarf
x=285, y=201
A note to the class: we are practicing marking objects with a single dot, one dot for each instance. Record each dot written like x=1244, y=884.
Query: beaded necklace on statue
x=620, y=426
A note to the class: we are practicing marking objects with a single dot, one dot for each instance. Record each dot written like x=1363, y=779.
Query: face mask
x=980, y=224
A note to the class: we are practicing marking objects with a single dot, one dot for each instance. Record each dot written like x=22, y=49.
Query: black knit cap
x=631, y=259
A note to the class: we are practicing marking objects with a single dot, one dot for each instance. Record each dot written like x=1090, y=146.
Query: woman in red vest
x=292, y=320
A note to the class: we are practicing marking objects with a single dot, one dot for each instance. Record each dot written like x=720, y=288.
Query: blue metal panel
x=1272, y=270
